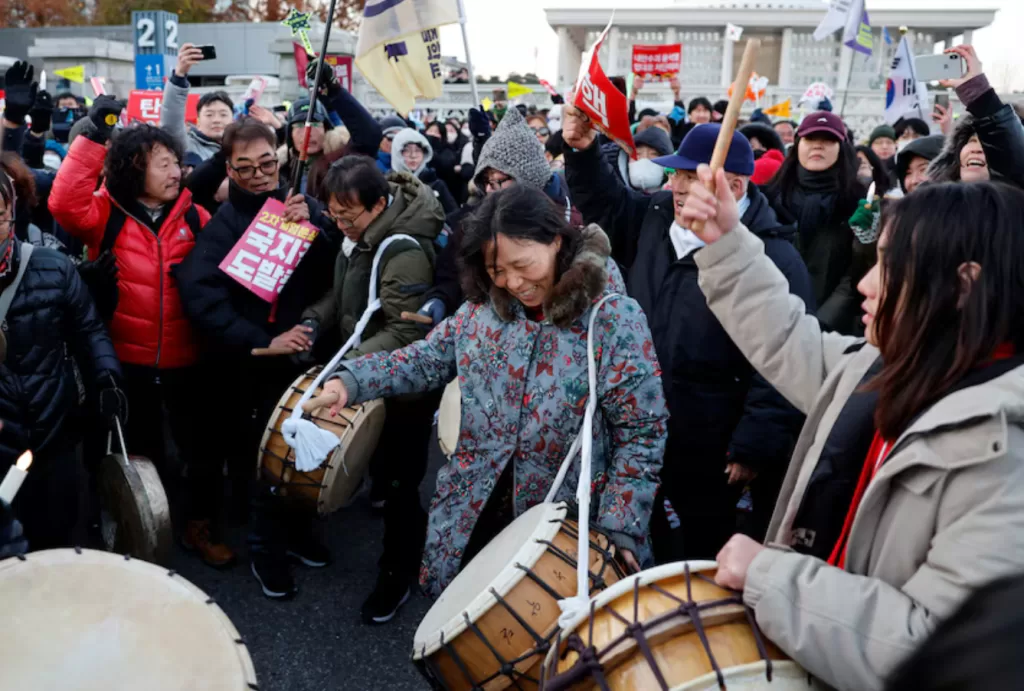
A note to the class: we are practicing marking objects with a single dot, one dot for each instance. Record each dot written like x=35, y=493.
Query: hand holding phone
x=973, y=65
x=209, y=52
x=934, y=68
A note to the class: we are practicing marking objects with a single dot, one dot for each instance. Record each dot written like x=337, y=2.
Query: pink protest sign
x=268, y=252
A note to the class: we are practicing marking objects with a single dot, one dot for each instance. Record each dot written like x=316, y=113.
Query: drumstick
x=417, y=317
x=321, y=401
x=732, y=114
x=264, y=352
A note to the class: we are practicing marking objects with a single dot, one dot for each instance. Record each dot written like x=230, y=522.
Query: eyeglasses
x=344, y=222
x=7, y=223
x=302, y=123
x=542, y=131
x=495, y=184
x=246, y=172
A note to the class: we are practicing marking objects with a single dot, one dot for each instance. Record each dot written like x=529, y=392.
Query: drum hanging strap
x=311, y=443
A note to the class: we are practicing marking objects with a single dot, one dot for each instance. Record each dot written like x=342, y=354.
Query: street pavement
x=316, y=642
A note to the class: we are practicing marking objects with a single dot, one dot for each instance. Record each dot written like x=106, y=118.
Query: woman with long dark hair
x=871, y=169
x=518, y=346
x=906, y=489
x=817, y=189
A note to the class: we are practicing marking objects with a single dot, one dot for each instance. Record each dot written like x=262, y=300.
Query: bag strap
x=195, y=223
x=7, y=296
x=115, y=223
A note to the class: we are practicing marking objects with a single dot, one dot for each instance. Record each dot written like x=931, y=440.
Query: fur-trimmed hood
x=591, y=275
x=946, y=166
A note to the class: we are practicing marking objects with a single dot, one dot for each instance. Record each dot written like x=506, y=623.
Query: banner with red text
x=657, y=62
x=605, y=105
x=265, y=256
x=144, y=106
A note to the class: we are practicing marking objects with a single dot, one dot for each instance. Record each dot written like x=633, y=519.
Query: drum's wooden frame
x=276, y=459
x=602, y=663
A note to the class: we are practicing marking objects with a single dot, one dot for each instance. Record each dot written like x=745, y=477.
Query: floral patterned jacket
x=524, y=392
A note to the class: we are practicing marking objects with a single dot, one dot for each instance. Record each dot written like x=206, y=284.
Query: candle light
x=15, y=476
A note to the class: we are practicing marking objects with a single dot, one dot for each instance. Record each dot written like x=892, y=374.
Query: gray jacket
x=172, y=119
x=943, y=516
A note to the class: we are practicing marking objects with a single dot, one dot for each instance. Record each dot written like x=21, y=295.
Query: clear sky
x=513, y=36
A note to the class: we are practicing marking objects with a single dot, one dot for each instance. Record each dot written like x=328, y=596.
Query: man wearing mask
x=138, y=226
x=215, y=111
x=727, y=424
x=234, y=321
x=643, y=174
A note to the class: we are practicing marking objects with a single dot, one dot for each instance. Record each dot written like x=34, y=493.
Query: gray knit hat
x=515, y=150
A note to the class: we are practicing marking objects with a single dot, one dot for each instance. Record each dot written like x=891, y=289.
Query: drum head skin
x=349, y=463
x=92, y=621
x=449, y=418
x=493, y=567
x=136, y=514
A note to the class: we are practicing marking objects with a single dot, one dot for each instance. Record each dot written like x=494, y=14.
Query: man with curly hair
x=138, y=225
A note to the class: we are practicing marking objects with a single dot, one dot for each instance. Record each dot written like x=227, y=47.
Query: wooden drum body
x=493, y=624
x=671, y=627
x=82, y=620
x=331, y=486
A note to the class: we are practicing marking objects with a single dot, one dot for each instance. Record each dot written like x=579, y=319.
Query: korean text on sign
x=657, y=62
x=432, y=40
x=267, y=253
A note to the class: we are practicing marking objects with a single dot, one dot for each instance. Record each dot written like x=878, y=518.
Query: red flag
x=547, y=85
x=606, y=106
x=301, y=63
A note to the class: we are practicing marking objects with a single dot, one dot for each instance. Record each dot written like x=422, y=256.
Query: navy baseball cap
x=699, y=144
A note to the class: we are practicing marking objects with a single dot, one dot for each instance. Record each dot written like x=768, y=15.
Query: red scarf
x=877, y=454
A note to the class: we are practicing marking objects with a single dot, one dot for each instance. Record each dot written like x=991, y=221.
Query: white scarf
x=686, y=241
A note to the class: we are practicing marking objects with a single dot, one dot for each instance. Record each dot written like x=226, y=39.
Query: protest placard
x=265, y=256
x=144, y=106
x=655, y=63
x=597, y=97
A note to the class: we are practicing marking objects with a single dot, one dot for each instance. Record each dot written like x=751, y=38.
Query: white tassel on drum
x=580, y=603
x=312, y=444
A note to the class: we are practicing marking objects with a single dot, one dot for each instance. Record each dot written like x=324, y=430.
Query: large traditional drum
x=670, y=627
x=449, y=418
x=493, y=624
x=135, y=515
x=331, y=486
x=81, y=620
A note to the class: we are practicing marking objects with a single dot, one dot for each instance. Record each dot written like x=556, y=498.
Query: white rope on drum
x=311, y=443
x=584, y=442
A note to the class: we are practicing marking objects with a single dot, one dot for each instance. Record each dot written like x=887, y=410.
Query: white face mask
x=52, y=160
x=452, y=136
x=646, y=175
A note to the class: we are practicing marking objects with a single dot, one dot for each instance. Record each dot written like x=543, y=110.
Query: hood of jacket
x=587, y=279
x=946, y=166
x=927, y=148
x=409, y=136
x=201, y=144
x=414, y=210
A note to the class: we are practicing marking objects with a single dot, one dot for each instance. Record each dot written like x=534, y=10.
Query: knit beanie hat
x=882, y=131
x=656, y=138
x=83, y=126
x=391, y=124
x=515, y=150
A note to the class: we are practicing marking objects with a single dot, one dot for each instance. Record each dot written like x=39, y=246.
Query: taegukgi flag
x=399, y=48
x=903, y=94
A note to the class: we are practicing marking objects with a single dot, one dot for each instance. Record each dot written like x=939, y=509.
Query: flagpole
x=849, y=76
x=314, y=92
x=469, y=60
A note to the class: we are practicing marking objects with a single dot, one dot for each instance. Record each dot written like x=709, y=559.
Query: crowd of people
x=818, y=387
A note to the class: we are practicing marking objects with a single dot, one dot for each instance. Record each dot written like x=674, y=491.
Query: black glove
x=20, y=92
x=100, y=275
x=12, y=536
x=329, y=85
x=42, y=113
x=112, y=402
x=305, y=358
x=479, y=125
x=105, y=112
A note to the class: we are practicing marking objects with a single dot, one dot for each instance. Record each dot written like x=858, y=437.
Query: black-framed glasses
x=344, y=222
x=495, y=184
x=7, y=223
x=246, y=172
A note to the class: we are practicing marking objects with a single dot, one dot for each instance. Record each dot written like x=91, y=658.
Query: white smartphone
x=934, y=68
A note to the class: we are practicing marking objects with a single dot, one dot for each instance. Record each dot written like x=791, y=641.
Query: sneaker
x=390, y=593
x=309, y=551
x=274, y=576
x=197, y=539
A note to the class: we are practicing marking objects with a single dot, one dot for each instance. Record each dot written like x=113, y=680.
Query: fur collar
x=584, y=282
x=946, y=166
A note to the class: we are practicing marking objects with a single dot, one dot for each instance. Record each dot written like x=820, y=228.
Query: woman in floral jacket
x=519, y=348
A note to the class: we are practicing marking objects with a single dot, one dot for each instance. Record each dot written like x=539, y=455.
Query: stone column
x=968, y=37
x=727, y=66
x=786, y=58
x=614, y=36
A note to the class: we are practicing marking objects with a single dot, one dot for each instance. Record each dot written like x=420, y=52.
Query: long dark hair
x=931, y=328
x=521, y=212
x=878, y=174
x=850, y=191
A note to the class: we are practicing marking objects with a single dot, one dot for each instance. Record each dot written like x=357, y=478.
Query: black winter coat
x=51, y=320
x=721, y=410
x=232, y=319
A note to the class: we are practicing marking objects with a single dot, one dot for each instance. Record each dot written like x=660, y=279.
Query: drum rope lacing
x=508, y=668
x=311, y=443
x=589, y=665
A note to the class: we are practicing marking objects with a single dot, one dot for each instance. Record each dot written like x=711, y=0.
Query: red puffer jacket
x=149, y=327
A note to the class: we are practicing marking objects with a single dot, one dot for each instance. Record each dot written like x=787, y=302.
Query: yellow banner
x=72, y=74
x=516, y=90
x=780, y=110
x=405, y=68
